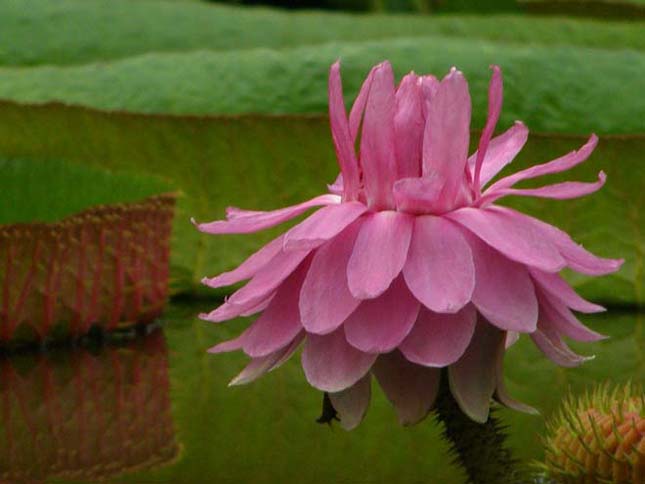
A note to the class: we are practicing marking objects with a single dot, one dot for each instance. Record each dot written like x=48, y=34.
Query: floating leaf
x=555, y=89
x=81, y=31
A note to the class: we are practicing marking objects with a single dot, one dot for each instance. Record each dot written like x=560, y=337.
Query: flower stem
x=479, y=448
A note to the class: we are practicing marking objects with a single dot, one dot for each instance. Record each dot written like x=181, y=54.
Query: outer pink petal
x=439, y=270
x=377, y=140
x=575, y=256
x=504, y=292
x=249, y=267
x=418, y=195
x=501, y=151
x=343, y=140
x=557, y=288
x=447, y=133
x=557, y=350
x=558, y=191
x=379, y=253
x=255, y=221
x=513, y=234
x=495, y=96
x=501, y=395
x=259, y=366
x=379, y=325
x=439, y=339
x=563, y=163
x=323, y=225
x=280, y=322
x=229, y=345
x=557, y=317
x=358, y=108
x=258, y=289
x=408, y=126
x=331, y=364
x=325, y=300
x=352, y=403
x=411, y=388
x=473, y=377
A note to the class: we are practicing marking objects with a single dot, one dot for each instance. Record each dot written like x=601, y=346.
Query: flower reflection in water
x=86, y=414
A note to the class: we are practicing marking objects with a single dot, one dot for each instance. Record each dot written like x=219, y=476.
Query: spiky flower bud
x=599, y=437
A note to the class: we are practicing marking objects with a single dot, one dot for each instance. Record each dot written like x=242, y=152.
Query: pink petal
x=255, y=221
x=557, y=288
x=512, y=337
x=323, y=225
x=579, y=259
x=249, y=267
x=501, y=395
x=418, y=195
x=412, y=389
x=325, y=300
x=338, y=186
x=236, y=212
x=472, y=378
x=408, y=126
x=557, y=317
x=259, y=366
x=495, y=96
x=377, y=140
x=575, y=256
x=513, y=234
x=501, y=151
x=504, y=292
x=559, y=191
x=557, y=350
x=439, y=270
x=280, y=322
x=229, y=345
x=447, y=132
x=379, y=253
x=563, y=163
x=379, y=325
x=351, y=403
x=331, y=364
x=439, y=339
x=258, y=289
x=429, y=87
x=358, y=108
x=343, y=140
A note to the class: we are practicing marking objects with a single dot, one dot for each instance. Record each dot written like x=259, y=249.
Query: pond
x=156, y=408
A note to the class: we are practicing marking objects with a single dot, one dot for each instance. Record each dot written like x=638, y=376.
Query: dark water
x=157, y=409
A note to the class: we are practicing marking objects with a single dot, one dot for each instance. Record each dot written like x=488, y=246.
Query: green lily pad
x=81, y=31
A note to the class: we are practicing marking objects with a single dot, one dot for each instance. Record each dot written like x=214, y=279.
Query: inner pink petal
x=379, y=325
x=439, y=270
x=379, y=253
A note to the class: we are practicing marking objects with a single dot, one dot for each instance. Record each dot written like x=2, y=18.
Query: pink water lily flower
x=410, y=266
